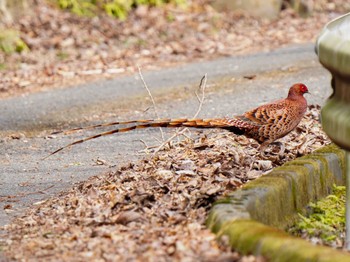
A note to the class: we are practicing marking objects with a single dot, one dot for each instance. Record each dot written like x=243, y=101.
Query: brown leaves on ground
x=67, y=49
x=155, y=208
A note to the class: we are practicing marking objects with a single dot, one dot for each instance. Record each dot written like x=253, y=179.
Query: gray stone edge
x=272, y=202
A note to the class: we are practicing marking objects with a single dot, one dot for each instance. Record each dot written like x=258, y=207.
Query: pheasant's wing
x=266, y=114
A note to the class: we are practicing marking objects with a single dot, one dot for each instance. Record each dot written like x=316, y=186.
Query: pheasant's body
x=272, y=121
x=265, y=124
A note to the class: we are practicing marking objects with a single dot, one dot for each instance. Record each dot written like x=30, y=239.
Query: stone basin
x=333, y=49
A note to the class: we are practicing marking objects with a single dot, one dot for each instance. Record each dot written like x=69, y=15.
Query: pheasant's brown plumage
x=265, y=123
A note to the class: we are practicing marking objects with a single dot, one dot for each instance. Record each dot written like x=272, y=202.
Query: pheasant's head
x=298, y=89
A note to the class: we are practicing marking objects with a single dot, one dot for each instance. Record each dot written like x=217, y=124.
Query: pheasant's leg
x=262, y=149
x=263, y=146
x=282, y=148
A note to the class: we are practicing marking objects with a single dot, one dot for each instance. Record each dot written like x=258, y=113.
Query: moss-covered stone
x=250, y=237
x=275, y=199
x=333, y=149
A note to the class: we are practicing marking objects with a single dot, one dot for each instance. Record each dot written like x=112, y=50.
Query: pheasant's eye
x=303, y=88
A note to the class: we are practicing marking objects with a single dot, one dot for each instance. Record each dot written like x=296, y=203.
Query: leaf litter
x=155, y=209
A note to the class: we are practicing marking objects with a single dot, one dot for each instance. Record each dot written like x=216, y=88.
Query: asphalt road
x=235, y=84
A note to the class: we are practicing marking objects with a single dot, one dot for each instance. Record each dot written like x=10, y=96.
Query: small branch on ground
x=181, y=131
x=43, y=192
x=201, y=88
x=151, y=96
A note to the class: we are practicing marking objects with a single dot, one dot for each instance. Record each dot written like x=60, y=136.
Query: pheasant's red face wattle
x=303, y=89
x=297, y=90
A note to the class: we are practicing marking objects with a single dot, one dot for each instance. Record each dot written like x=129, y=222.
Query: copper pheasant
x=265, y=123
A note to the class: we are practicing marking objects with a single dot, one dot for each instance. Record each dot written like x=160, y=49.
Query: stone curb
x=252, y=217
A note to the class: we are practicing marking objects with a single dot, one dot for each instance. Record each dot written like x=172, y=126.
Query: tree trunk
x=303, y=7
x=260, y=8
x=11, y=10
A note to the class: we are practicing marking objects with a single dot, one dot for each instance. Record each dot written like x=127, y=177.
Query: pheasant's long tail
x=135, y=122
x=139, y=124
x=219, y=122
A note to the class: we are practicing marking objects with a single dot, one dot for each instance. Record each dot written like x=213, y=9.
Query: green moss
x=79, y=7
x=11, y=42
x=325, y=219
x=213, y=221
x=283, y=195
x=267, y=181
x=251, y=237
x=308, y=178
x=299, y=177
x=332, y=148
x=316, y=173
x=116, y=8
x=275, y=199
x=321, y=170
x=62, y=55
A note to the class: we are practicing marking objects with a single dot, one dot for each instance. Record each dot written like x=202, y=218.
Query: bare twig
x=201, y=99
x=201, y=88
x=177, y=133
x=36, y=192
x=147, y=147
x=153, y=102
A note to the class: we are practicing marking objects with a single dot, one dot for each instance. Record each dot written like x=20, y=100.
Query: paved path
x=25, y=179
